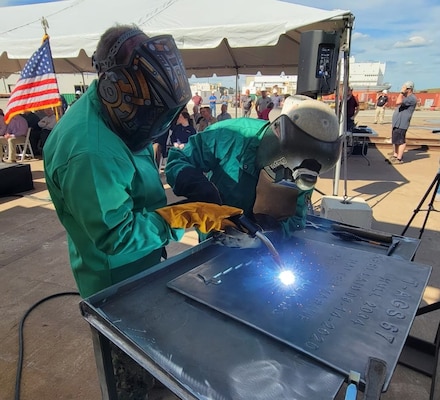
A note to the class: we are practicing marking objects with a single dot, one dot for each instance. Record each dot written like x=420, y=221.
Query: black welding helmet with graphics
x=141, y=98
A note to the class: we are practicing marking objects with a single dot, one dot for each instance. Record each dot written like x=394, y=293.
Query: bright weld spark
x=286, y=277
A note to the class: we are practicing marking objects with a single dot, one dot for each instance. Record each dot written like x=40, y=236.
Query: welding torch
x=254, y=230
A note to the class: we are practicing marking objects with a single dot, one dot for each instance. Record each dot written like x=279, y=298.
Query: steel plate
x=345, y=305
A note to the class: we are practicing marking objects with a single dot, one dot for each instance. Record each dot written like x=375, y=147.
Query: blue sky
x=404, y=35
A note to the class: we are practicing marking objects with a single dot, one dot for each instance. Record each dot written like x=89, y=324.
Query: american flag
x=37, y=87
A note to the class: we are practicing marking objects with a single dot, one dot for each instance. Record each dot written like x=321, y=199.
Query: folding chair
x=23, y=145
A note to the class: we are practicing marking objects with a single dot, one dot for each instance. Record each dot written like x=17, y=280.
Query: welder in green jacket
x=99, y=163
x=268, y=169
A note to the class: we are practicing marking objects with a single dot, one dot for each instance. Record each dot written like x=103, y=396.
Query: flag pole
x=45, y=26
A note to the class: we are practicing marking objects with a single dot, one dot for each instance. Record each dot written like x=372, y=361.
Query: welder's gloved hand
x=232, y=237
x=206, y=217
x=194, y=185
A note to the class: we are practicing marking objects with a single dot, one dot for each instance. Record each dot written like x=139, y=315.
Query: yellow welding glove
x=206, y=217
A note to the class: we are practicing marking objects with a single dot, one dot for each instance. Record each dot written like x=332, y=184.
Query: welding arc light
x=287, y=277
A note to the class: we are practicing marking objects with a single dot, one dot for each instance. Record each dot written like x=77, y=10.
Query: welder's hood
x=140, y=99
x=305, y=129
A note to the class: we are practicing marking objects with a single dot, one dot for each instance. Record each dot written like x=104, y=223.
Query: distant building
x=364, y=76
x=283, y=83
x=367, y=76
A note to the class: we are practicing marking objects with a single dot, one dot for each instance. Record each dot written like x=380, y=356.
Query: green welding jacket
x=105, y=197
x=227, y=153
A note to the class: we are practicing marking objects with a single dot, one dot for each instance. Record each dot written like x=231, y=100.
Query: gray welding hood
x=306, y=129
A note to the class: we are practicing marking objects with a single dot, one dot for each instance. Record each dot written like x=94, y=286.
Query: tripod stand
x=435, y=184
x=420, y=353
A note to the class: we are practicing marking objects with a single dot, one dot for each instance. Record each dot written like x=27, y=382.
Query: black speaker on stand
x=318, y=62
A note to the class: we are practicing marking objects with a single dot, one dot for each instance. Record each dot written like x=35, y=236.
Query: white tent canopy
x=234, y=37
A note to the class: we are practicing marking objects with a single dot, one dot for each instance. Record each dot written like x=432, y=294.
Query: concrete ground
x=58, y=355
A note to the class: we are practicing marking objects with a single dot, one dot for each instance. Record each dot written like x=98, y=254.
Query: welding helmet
x=304, y=138
x=141, y=98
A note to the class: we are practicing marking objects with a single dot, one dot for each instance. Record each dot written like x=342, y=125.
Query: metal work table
x=201, y=353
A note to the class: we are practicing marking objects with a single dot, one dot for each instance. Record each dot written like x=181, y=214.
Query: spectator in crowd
x=223, y=113
x=262, y=102
x=224, y=98
x=78, y=95
x=35, y=137
x=405, y=105
x=352, y=109
x=276, y=98
x=160, y=147
x=213, y=103
x=181, y=132
x=195, y=116
x=15, y=131
x=381, y=102
x=46, y=124
x=2, y=123
x=64, y=105
x=197, y=99
x=265, y=113
x=246, y=103
x=206, y=120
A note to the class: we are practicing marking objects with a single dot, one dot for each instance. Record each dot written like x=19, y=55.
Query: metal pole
x=343, y=111
x=236, y=94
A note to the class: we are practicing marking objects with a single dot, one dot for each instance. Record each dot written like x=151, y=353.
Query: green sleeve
x=198, y=153
x=98, y=202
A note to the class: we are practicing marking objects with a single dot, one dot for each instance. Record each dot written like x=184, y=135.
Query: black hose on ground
x=20, y=338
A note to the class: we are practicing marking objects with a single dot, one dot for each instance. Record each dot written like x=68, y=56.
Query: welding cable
x=21, y=341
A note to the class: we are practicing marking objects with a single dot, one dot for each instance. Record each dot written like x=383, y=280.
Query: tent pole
x=236, y=93
x=343, y=112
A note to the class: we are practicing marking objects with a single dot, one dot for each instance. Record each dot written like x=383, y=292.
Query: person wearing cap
x=78, y=95
x=267, y=168
x=276, y=98
x=224, y=98
x=406, y=103
x=381, y=102
x=262, y=102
